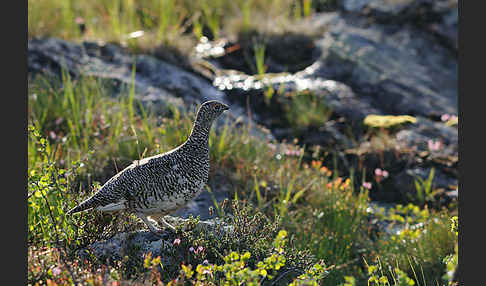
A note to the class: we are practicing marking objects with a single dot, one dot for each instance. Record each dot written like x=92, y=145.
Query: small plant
x=259, y=51
x=424, y=188
x=377, y=276
x=412, y=246
x=451, y=261
x=236, y=269
x=212, y=12
x=306, y=109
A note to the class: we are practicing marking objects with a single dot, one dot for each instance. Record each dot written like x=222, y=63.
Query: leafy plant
x=424, y=188
x=378, y=278
x=414, y=245
x=236, y=269
x=451, y=261
x=306, y=109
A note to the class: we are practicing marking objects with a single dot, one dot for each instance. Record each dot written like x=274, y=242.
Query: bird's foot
x=161, y=231
x=168, y=225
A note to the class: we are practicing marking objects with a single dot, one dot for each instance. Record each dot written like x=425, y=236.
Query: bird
x=160, y=185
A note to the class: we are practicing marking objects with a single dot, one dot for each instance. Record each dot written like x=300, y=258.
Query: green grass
x=420, y=248
x=163, y=22
x=97, y=134
x=306, y=109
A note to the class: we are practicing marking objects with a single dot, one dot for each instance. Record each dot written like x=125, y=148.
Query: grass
x=420, y=249
x=80, y=136
x=164, y=23
x=424, y=188
x=306, y=109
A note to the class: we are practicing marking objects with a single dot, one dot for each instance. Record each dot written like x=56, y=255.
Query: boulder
x=368, y=68
x=438, y=17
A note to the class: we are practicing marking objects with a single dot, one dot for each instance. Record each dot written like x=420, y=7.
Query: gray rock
x=353, y=5
x=139, y=243
x=419, y=135
x=402, y=71
x=134, y=244
x=370, y=69
x=437, y=16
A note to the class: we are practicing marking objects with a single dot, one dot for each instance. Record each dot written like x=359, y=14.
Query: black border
x=14, y=156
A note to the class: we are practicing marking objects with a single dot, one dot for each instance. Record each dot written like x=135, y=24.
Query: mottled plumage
x=163, y=183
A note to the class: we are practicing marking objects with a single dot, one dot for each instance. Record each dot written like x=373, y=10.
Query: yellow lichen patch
x=453, y=121
x=386, y=121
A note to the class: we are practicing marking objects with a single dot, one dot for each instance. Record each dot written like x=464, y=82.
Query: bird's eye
x=217, y=107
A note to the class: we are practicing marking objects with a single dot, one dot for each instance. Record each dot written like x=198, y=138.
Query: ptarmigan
x=161, y=184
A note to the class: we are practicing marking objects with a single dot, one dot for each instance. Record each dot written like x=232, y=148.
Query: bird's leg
x=151, y=227
x=167, y=224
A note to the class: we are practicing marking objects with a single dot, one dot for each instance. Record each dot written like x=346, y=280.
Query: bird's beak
x=225, y=107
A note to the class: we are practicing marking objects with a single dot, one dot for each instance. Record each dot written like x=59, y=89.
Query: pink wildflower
x=56, y=271
x=177, y=241
x=199, y=249
x=433, y=145
x=53, y=135
x=378, y=172
x=445, y=117
x=367, y=185
x=290, y=152
x=381, y=173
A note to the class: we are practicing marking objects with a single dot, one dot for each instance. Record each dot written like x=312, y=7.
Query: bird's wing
x=135, y=165
x=138, y=179
x=120, y=187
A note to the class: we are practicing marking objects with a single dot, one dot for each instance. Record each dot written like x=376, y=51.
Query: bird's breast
x=174, y=201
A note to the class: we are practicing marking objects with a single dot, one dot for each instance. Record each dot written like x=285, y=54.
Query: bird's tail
x=87, y=204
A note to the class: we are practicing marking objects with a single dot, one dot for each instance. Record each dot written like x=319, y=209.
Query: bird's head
x=210, y=110
x=206, y=114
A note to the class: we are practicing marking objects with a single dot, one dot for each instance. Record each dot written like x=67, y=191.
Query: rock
x=440, y=17
x=367, y=69
x=137, y=244
x=353, y=5
x=287, y=52
x=402, y=71
x=419, y=136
